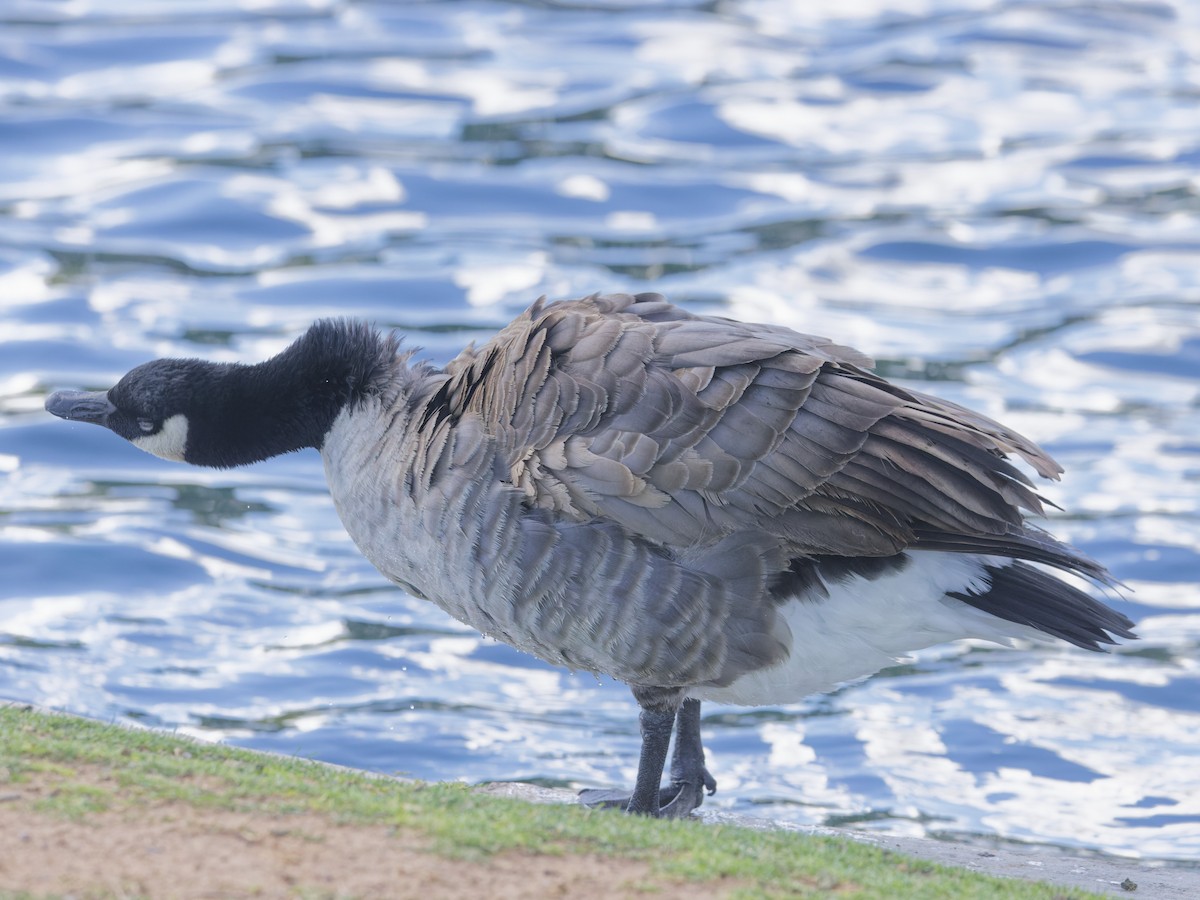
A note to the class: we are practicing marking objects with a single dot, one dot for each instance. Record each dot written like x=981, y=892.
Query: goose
x=701, y=508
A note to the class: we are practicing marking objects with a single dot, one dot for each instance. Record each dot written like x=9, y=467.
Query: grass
x=127, y=768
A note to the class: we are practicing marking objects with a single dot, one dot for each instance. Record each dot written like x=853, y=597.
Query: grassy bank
x=82, y=782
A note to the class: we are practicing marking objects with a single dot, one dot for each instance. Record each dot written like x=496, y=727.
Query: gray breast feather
x=585, y=593
x=661, y=619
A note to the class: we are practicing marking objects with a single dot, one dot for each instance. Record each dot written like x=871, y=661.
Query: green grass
x=142, y=767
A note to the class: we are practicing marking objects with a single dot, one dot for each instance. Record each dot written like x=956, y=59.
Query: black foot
x=689, y=778
x=674, y=802
x=599, y=798
x=689, y=795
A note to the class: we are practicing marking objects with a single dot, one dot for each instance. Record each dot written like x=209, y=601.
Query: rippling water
x=1001, y=198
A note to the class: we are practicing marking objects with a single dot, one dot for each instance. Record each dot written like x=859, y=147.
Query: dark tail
x=1025, y=542
x=1025, y=595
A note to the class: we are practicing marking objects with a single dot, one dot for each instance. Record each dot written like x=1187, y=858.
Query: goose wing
x=684, y=428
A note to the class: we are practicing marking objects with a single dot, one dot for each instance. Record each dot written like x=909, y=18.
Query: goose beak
x=80, y=406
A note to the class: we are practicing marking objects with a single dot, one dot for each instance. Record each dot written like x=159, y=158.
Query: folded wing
x=684, y=428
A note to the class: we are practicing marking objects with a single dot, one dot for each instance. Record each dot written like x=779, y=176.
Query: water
x=999, y=199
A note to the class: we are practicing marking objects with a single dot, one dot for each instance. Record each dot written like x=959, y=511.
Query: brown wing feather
x=685, y=428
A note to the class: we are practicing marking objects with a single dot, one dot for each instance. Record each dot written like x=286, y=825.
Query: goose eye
x=147, y=425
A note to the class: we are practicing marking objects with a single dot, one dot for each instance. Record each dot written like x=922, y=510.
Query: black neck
x=245, y=414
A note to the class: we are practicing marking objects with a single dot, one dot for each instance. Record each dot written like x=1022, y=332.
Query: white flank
x=867, y=625
x=169, y=442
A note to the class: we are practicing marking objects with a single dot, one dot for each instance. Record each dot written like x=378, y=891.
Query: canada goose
x=702, y=508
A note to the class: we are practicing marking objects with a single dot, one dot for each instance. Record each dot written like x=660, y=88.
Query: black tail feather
x=1025, y=542
x=1025, y=595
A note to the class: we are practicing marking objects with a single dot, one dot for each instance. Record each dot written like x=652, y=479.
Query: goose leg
x=647, y=798
x=689, y=778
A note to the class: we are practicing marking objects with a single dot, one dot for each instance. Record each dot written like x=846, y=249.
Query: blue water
x=999, y=199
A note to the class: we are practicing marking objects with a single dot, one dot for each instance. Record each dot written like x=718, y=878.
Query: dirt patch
x=175, y=850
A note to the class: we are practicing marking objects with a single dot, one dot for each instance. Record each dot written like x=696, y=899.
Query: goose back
x=685, y=428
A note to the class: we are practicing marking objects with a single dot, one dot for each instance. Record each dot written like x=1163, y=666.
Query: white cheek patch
x=169, y=442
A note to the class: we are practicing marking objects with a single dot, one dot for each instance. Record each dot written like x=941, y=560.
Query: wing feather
x=684, y=429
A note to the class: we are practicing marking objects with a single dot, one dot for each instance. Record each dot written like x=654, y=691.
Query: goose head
x=150, y=407
x=230, y=414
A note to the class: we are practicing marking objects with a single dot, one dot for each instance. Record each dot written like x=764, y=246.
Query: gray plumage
x=687, y=503
x=623, y=482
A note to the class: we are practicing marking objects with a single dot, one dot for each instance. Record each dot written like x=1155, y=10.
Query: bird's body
x=702, y=508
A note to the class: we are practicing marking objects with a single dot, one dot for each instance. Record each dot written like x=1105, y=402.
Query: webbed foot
x=674, y=802
x=690, y=780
